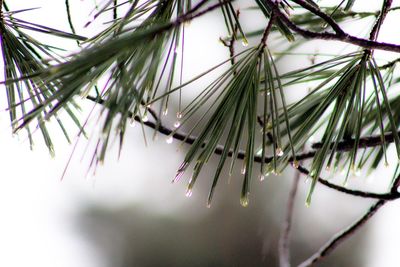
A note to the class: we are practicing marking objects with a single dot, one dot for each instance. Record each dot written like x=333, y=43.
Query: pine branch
x=284, y=240
x=344, y=37
x=327, y=18
x=392, y=195
x=69, y=16
x=340, y=237
x=159, y=127
x=336, y=240
x=382, y=15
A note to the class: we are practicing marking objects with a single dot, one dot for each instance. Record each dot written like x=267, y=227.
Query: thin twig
x=68, y=10
x=385, y=9
x=340, y=237
x=345, y=37
x=364, y=142
x=115, y=12
x=1, y=13
x=390, y=64
x=337, y=239
x=267, y=30
x=158, y=126
x=358, y=193
x=284, y=241
x=327, y=18
x=230, y=44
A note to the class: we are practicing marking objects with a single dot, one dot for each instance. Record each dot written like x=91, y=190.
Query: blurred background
x=129, y=214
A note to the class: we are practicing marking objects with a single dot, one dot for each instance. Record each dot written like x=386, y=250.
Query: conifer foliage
x=134, y=67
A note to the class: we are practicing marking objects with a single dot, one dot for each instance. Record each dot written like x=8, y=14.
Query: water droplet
x=275, y=172
x=307, y=180
x=295, y=164
x=177, y=124
x=328, y=168
x=279, y=152
x=398, y=189
x=165, y=112
x=148, y=106
x=208, y=205
x=245, y=42
x=243, y=170
x=179, y=115
x=262, y=177
x=189, y=192
x=244, y=200
x=170, y=139
x=132, y=122
x=178, y=176
x=145, y=118
x=268, y=92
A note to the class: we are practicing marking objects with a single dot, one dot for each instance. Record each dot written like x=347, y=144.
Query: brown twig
x=327, y=18
x=378, y=23
x=345, y=37
x=230, y=44
x=158, y=126
x=364, y=194
x=267, y=30
x=284, y=240
x=337, y=239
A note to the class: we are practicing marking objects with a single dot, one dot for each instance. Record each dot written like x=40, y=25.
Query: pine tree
x=134, y=67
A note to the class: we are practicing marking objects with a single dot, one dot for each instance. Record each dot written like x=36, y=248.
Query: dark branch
x=284, y=241
x=268, y=30
x=337, y=239
x=361, y=42
x=364, y=142
x=68, y=10
x=385, y=196
x=340, y=237
x=385, y=9
x=327, y=18
x=158, y=126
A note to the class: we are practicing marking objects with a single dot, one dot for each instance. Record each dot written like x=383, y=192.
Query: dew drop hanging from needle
x=189, y=193
x=145, y=118
x=177, y=124
x=279, y=152
x=169, y=139
x=132, y=122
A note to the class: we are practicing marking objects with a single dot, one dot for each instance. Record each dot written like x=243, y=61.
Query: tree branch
x=158, y=126
x=392, y=195
x=385, y=9
x=284, y=241
x=337, y=239
x=327, y=18
x=364, y=142
x=69, y=17
x=345, y=37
